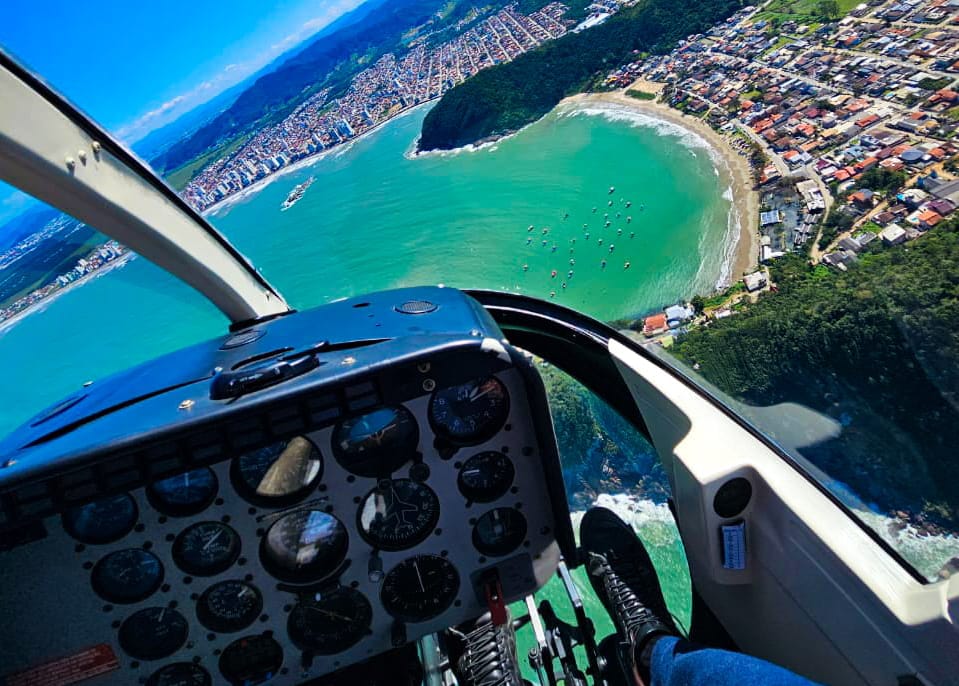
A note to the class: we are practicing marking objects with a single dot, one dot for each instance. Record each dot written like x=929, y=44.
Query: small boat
x=629, y=203
x=553, y=274
x=610, y=204
x=545, y=230
x=530, y=228
x=566, y=216
x=552, y=294
x=572, y=262
x=629, y=219
x=554, y=248
x=587, y=236
x=608, y=223
x=632, y=233
x=612, y=189
x=569, y=274
x=594, y=210
x=612, y=247
x=585, y=226
x=544, y=242
x=296, y=194
x=529, y=240
x=618, y=215
x=602, y=265
x=564, y=285
x=619, y=232
x=599, y=242
x=642, y=207
x=525, y=267
x=626, y=266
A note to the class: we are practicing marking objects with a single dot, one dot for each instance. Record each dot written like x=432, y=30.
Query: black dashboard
x=274, y=506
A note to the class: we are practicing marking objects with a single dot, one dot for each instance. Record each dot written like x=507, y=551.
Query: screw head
x=429, y=385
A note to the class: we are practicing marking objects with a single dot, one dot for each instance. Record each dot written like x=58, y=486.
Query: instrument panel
x=297, y=558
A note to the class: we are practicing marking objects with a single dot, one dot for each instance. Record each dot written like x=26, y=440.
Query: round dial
x=420, y=588
x=229, y=606
x=251, y=660
x=499, y=531
x=377, y=443
x=470, y=413
x=206, y=548
x=153, y=633
x=304, y=546
x=102, y=521
x=278, y=474
x=486, y=476
x=127, y=576
x=180, y=674
x=184, y=494
x=398, y=514
x=330, y=623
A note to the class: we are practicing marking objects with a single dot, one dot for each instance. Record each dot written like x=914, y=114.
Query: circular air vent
x=242, y=338
x=416, y=307
x=732, y=497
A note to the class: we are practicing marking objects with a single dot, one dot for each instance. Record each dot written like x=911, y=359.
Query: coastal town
x=848, y=123
x=377, y=94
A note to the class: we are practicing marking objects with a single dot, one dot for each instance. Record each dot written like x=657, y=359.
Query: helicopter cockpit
x=367, y=491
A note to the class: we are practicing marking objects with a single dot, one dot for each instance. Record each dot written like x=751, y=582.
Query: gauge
x=420, y=588
x=206, y=548
x=153, y=633
x=378, y=443
x=304, y=546
x=251, y=660
x=185, y=494
x=471, y=413
x=486, y=476
x=180, y=674
x=127, y=576
x=331, y=622
x=398, y=514
x=102, y=521
x=229, y=606
x=499, y=531
x=278, y=474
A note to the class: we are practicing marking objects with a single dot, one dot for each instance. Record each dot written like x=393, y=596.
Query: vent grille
x=416, y=307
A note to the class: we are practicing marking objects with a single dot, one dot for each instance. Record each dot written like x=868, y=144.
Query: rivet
x=428, y=385
x=87, y=384
x=423, y=367
x=82, y=154
x=186, y=404
x=96, y=146
x=70, y=162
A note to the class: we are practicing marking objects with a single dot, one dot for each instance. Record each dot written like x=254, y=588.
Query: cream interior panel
x=818, y=595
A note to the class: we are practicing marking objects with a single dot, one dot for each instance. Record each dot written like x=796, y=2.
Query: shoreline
x=39, y=307
x=742, y=249
x=258, y=186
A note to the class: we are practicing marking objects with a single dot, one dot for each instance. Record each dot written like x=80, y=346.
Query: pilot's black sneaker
x=623, y=577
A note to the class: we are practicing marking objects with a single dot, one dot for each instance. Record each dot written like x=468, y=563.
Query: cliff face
x=600, y=451
x=505, y=98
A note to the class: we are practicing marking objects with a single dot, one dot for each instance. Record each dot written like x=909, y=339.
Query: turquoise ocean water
x=377, y=218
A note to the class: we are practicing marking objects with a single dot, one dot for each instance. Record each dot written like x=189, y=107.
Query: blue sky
x=135, y=66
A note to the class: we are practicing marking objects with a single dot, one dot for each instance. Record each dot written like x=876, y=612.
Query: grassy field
x=180, y=177
x=803, y=11
x=640, y=95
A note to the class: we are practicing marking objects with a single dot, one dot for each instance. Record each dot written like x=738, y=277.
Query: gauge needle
x=334, y=615
x=475, y=394
x=471, y=472
x=243, y=592
x=212, y=539
x=419, y=577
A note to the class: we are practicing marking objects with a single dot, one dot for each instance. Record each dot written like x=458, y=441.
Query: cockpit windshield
x=774, y=218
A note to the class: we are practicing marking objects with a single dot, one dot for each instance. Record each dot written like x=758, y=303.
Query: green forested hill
x=509, y=96
x=877, y=348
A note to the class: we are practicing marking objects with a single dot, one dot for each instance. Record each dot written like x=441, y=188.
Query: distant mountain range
x=328, y=60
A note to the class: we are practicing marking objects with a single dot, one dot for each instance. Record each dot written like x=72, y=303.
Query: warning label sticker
x=64, y=671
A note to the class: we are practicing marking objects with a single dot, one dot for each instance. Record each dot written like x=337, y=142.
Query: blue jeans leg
x=677, y=662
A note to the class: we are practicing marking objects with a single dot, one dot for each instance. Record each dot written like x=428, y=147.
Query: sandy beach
x=736, y=171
